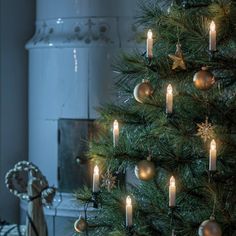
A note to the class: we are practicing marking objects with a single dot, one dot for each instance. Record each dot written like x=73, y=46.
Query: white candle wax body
x=172, y=192
x=213, y=156
x=169, y=100
x=149, y=44
x=96, y=180
x=212, y=37
x=172, y=196
x=116, y=132
x=212, y=161
x=129, y=212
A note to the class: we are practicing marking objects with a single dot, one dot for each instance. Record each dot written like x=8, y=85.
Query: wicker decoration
x=26, y=181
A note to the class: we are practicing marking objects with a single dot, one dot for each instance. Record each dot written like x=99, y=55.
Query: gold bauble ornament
x=145, y=170
x=143, y=91
x=209, y=228
x=178, y=58
x=204, y=79
x=80, y=225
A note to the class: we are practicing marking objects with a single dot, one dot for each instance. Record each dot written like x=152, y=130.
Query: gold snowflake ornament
x=205, y=130
x=108, y=181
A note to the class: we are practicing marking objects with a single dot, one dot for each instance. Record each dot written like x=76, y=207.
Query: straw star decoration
x=178, y=58
x=205, y=130
x=108, y=181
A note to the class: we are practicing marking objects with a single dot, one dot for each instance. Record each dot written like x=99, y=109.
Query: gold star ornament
x=108, y=181
x=178, y=58
x=205, y=130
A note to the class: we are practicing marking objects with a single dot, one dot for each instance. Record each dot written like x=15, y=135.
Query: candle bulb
x=212, y=37
x=213, y=155
x=115, y=133
x=129, y=212
x=169, y=99
x=172, y=192
x=96, y=179
x=149, y=44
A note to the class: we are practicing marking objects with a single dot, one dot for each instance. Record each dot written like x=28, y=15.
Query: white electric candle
x=169, y=99
x=129, y=212
x=172, y=192
x=116, y=132
x=96, y=179
x=149, y=44
x=213, y=155
x=212, y=37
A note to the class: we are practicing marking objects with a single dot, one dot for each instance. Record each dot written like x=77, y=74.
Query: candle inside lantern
x=96, y=179
x=149, y=44
x=129, y=212
x=213, y=155
x=212, y=37
x=172, y=192
x=169, y=99
x=116, y=132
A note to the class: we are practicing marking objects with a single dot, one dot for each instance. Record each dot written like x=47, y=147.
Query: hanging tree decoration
x=204, y=79
x=145, y=169
x=178, y=58
x=108, y=181
x=205, y=130
x=80, y=225
x=210, y=228
x=143, y=90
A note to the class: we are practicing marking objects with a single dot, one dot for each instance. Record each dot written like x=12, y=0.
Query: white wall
x=56, y=89
x=17, y=26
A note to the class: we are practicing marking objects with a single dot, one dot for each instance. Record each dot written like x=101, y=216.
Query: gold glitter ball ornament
x=209, y=228
x=203, y=79
x=145, y=170
x=80, y=225
x=143, y=90
x=205, y=130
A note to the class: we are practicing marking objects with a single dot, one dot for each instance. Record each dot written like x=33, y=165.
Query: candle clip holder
x=171, y=213
x=211, y=174
x=95, y=199
x=130, y=230
x=212, y=54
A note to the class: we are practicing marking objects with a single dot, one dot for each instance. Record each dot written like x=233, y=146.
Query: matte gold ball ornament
x=143, y=90
x=80, y=225
x=204, y=79
x=210, y=228
x=145, y=170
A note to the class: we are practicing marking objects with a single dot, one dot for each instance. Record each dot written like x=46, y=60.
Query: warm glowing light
x=128, y=201
x=149, y=34
x=212, y=26
x=172, y=181
x=115, y=125
x=213, y=145
x=96, y=170
x=169, y=89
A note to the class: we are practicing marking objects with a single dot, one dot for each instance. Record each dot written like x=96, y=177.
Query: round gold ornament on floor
x=143, y=91
x=204, y=79
x=145, y=170
x=80, y=225
x=209, y=228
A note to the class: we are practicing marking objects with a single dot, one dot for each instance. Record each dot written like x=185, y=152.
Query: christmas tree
x=173, y=125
